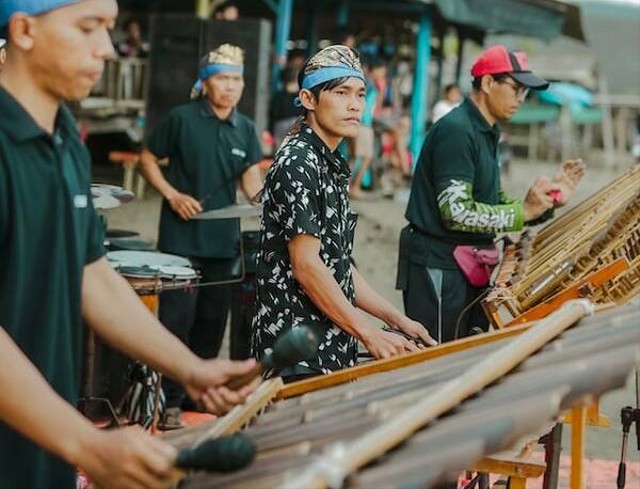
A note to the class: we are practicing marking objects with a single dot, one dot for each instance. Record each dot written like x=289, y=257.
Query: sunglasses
x=521, y=91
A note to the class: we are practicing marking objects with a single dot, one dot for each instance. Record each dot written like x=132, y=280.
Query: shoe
x=171, y=419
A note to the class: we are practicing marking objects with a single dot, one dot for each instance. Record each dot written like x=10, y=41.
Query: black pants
x=198, y=316
x=243, y=298
x=437, y=298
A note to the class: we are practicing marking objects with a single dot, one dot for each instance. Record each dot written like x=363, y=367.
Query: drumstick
x=298, y=344
x=224, y=454
x=221, y=455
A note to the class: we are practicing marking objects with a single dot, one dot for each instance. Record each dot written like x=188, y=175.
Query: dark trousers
x=243, y=297
x=437, y=299
x=198, y=317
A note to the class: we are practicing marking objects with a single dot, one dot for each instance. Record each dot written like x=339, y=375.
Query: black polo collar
x=207, y=111
x=20, y=126
x=477, y=119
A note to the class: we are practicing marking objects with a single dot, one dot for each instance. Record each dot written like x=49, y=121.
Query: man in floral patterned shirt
x=304, y=270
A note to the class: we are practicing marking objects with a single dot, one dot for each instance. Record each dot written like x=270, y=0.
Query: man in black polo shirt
x=211, y=147
x=53, y=271
x=304, y=271
x=456, y=197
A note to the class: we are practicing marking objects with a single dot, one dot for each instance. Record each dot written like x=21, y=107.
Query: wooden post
x=578, y=423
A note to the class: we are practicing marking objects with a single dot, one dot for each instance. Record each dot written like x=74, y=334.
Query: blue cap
x=30, y=7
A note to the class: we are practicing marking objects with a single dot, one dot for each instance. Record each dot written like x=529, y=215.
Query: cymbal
x=109, y=196
x=231, y=212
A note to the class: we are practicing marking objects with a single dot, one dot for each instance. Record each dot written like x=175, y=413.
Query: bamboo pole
x=343, y=459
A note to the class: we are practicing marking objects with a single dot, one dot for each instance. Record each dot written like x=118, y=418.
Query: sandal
x=171, y=419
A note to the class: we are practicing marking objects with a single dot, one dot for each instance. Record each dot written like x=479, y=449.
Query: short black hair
x=322, y=87
x=477, y=82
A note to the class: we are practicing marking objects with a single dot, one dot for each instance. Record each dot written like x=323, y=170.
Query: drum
x=109, y=196
x=149, y=273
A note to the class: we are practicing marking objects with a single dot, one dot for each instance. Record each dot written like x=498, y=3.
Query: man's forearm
x=153, y=175
x=251, y=181
x=461, y=213
x=117, y=315
x=28, y=404
x=372, y=302
x=321, y=287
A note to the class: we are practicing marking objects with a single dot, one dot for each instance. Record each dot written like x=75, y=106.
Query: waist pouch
x=476, y=264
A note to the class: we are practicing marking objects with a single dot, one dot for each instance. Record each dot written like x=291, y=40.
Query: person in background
x=304, y=271
x=133, y=46
x=452, y=96
x=227, y=10
x=57, y=52
x=283, y=112
x=364, y=144
x=457, y=205
x=212, y=148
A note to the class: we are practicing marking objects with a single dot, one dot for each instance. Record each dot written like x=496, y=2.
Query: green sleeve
x=461, y=213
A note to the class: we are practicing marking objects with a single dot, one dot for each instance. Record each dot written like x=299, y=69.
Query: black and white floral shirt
x=306, y=192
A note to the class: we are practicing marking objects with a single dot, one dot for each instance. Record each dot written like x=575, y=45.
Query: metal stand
x=628, y=416
x=552, y=449
x=88, y=405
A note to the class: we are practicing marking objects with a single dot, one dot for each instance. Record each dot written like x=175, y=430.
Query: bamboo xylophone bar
x=271, y=466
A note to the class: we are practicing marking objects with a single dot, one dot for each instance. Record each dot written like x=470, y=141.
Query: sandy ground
x=376, y=254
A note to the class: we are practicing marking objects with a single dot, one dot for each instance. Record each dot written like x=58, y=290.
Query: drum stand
x=628, y=416
x=87, y=404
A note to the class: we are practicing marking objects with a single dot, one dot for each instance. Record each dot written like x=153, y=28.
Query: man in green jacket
x=456, y=198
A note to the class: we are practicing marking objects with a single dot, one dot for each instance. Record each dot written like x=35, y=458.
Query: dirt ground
x=375, y=253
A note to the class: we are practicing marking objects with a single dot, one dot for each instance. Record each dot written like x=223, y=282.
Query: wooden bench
x=512, y=465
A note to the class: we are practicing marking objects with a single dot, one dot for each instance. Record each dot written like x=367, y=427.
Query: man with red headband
x=53, y=273
x=457, y=205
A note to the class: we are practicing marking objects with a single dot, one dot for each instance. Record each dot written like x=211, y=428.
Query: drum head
x=151, y=259
x=109, y=196
x=177, y=273
x=138, y=272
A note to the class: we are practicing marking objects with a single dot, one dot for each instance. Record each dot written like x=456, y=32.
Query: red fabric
x=476, y=264
x=496, y=60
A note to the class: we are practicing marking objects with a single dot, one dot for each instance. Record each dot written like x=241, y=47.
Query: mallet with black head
x=298, y=344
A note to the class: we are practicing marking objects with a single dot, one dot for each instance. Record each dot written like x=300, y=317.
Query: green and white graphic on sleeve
x=461, y=213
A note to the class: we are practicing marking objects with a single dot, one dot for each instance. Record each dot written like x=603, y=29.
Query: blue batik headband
x=213, y=69
x=29, y=7
x=322, y=75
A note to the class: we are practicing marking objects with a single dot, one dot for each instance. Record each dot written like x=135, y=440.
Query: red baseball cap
x=498, y=59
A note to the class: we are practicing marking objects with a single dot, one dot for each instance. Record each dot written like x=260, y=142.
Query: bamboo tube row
x=333, y=436
x=598, y=231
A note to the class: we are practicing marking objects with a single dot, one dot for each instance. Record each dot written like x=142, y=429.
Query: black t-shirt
x=455, y=193
x=306, y=192
x=206, y=157
x=48, y=233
